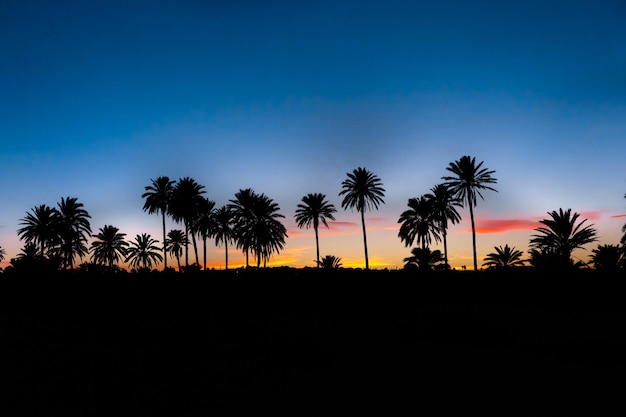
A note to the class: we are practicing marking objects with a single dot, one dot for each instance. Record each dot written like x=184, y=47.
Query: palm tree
x=39, y=227
x=424, y=258
x=110, y=246
x=73, y=228
x=623, y=239
x=330, y=262
x=314, y=208
x=143, y=251
x=562, y=235
x=419, y=223
x=224, y=228
x=3, y=253
x=204, y=223
x=242, y=210
x=363, y=191
x=176, y=241
x=608, y=258
x=184, y=206
x=506, y=257
x=267, y=234
x=444, y=210
x=158, y=196
x=466, y=183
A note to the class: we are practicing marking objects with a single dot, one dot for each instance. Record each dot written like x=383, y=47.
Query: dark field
x=292, y=341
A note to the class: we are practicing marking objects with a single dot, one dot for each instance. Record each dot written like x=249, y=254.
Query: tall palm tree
x=184, y=206
x=419, y=222
x=562, y=235
x=110, y=246
x=224, y=232
x=363, y=191
x=73, y=223
x=158, y=195
x=313, y=209
x=204, y=223
x=143, y=251
x=467, y=182
x=40, y=227
x=444, y=210
x=506, y=257
x=241, y=208
x=176, y=242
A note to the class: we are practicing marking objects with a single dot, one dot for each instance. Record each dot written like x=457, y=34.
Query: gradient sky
x=97, y=98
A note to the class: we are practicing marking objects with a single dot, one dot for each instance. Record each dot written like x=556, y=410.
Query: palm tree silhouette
x=330, y=262
x=623, y=239
x=424, y=258
x=204, y=223
x=506, y=257
x=419, y=223
x=176, y=241
x=241, y=208
x=267, y=232
x=143, y=251
x=314, y=208
x=363, y=191
x=184, y=206
x=609, y=258
x=158, y=196
x=562, y=235
x=110, y=246
x=3, y=253
x=224, y=228
x=444, y=210
x=73, y=228
x=40, y=227
x=466, y=183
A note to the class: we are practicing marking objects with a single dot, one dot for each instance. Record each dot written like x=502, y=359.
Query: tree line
x=251, y=222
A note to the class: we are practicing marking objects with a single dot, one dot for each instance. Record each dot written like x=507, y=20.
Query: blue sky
x=100, y=97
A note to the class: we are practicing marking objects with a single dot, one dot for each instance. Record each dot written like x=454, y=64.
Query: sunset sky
x=97, y=98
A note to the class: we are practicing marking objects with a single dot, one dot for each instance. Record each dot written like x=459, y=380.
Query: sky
x=99, y=98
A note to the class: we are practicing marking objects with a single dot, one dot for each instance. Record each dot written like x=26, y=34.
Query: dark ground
x=288, y=342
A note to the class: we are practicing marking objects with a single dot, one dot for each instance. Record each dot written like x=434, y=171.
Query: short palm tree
x=424, y=258
x=444, y=211
x=330, y=262
x=608, y=258
x=224, y=232
x=39, y=227
x=419, y=222
x=110, y=246
x=73, y=225
x=313, y=209
x=158, y=195
x=143, y=252
x=266, y=232
x=184, y=205
x=506, y=257
x=3, y=253
x=466, y=183
x=176, y=242
x=562, y=235
x=362, y=191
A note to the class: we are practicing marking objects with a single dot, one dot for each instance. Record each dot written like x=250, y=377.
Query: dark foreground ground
x=290, y=342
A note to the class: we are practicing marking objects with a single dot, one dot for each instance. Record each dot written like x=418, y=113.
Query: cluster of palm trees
x=252, y=223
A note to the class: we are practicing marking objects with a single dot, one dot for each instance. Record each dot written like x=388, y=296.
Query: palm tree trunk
x=204, y=250
x=473, y=234
x=317, y=248
x=195, y=248
x=226, y=246
x=186, y=245
x=178, y=259
x=164, y=245
x=367, y=264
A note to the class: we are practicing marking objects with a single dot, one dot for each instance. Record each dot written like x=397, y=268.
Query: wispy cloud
x=504, y=225
x=617, y=216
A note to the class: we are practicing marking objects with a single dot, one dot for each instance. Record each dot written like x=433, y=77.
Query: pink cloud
x=504, y=225
x=617, y=216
